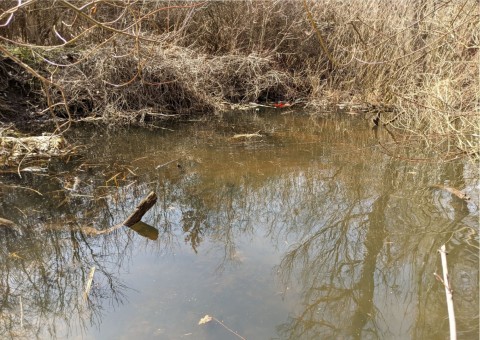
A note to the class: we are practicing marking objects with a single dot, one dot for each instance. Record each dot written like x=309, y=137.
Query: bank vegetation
x=412, y=65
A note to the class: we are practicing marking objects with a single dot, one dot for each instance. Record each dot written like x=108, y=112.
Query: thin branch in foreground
x=448, y=293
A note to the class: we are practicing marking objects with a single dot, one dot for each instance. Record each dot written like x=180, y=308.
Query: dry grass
x=123, y=62
x=155, y=82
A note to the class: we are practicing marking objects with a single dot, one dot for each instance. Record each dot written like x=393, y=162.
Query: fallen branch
x=134, y=218
x=141, y=209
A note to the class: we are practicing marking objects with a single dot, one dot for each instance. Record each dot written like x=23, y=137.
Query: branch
x=323, y=45
x=449, y=294
x=108, y=28
x=141, y=209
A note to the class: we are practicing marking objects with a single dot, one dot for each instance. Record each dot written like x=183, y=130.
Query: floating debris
x=206, y=319
x=247, y=135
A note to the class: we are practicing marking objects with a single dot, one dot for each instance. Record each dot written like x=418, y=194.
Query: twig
x=449, y=294
x=453, y=191
x=89, y=283
x=358, y=33
x=207, y=318
x=165, y=164
x=21, y=312
x=247, y=135
x=20, y=187
x=227, y=328
x=124, y=32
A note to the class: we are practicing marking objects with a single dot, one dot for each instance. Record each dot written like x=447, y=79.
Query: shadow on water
x=278, y=225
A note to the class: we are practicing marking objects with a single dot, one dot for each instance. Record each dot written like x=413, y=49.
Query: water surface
x=302, y=228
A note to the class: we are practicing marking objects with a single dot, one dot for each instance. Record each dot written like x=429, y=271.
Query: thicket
x=416, y=62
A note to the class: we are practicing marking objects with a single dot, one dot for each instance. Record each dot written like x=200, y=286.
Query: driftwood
x=132, y=221
x=141, y=209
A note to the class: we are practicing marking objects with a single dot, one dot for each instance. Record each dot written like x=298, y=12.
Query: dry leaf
x=207, y=318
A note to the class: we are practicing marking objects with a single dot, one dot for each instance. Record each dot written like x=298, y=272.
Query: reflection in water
x=45, y=268
x=349, y=233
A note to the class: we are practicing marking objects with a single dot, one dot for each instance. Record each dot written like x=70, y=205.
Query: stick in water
x=89, y=282
x=21, y=312
x=207, y=318
x=448, y=293
x=141, y=209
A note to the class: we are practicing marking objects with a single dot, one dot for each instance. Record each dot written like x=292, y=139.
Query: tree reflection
x=357, y=231
x=365, y=265
x=44, y=270
x=363, y=235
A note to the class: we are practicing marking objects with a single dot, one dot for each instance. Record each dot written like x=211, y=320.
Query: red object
x=281, y=105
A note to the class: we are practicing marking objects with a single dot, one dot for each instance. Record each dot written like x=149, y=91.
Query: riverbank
x=413, y=67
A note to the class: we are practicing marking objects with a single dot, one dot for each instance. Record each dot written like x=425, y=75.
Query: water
x=305, y=228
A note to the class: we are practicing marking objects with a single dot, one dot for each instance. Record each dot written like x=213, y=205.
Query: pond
x=277, y=225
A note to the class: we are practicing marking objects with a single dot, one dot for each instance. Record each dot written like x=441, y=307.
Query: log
x=140, y=210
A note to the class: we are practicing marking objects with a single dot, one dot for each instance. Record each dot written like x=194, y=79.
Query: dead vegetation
x=29, y=151
x=165, y=82
x=414, y=62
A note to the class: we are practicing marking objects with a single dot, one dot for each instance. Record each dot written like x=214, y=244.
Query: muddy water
x=278, y=226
